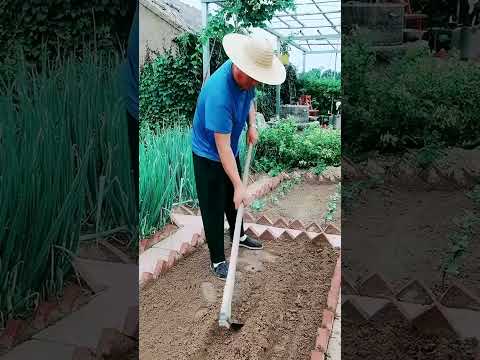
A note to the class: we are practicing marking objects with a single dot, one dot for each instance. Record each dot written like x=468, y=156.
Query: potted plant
x=284, y=49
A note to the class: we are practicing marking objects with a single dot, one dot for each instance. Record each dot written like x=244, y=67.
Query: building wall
x=155, y=31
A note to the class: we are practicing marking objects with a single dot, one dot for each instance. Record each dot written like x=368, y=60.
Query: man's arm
x=230, y=166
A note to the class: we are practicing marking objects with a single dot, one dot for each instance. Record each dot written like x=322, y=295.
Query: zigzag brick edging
x=326, y=328
x=426, y=313
x=19, y=330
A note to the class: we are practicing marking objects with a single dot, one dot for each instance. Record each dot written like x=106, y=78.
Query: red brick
x=264, y=220
x=185, y=249
x=286, y=235
x=320, y=240
x=348, y=286
x=351, y=311
x=114, y=344
x=297, y=225
x=251, y=232
x=327, y=319
x=391, y=311
x=83, y=353
x=321, y=343
x=267, y=235
x=143, y=245
x=302, y=236
x=195, y=239
x=130, y=326
x=376, y=286
x=415, y=292
x=145, y=278
x=434, y=321
x=458, y=296
x=160, y=268
x=13, y=332
x=310, y=178
x=248, y=218
x=332, y=301
x=281, y=223
x=317, y=355
x=46, y=312
x=70, y=296
x=314, y=227
x=332, y=230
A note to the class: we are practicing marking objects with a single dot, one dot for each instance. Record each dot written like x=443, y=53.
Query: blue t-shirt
x=222, y=107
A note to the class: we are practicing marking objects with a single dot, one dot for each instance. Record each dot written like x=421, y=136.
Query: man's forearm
x=229, y=165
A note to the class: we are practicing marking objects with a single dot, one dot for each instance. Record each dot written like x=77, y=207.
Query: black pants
x=215, y=196
x=133, y=133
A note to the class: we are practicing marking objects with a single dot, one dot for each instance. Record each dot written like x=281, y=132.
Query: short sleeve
x=218, y=115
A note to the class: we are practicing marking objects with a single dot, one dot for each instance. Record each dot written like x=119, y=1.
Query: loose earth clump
x=396, y=340
x=280, y=295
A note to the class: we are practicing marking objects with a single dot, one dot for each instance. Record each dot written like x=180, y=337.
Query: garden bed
x=280, y=295
x=301, y=200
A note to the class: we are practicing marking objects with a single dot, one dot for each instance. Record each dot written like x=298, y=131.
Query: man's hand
x=240, y=196
x=252, y=136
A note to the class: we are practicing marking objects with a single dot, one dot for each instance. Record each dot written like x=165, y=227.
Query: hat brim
x=235, y=48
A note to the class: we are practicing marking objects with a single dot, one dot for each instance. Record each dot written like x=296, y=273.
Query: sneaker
x=220, y=270
x=251, y=244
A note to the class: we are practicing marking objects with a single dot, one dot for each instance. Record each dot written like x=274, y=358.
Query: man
x=223, y=107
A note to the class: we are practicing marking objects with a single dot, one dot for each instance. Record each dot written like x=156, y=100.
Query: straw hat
x=255, y=57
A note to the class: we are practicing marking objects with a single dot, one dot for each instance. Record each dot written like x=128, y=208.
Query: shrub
x=399, y=105
x=322, y=87
x=281, y=147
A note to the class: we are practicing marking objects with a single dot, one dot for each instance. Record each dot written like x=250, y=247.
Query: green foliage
x=167, y=179
x=63, y=172
x=395, y=106
x=332, y=206
x=320, y=168
x=257, y=205
x=282, y=147
x=459, y=240
x=474, y=195
x=323, y=87
x=32, y=24
x=169, y=84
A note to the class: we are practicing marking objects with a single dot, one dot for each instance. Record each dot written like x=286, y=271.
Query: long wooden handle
x=226, y=309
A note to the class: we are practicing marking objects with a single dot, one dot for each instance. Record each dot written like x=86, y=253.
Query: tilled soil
x=416, y=235
x=280, y=294
x=396, y=340
x=305, y=202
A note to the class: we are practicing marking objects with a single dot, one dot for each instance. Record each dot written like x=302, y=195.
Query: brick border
x=325, y=330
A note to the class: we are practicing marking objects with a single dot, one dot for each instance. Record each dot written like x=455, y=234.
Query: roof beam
x=300, y=27
x=315, y=37
x=282, y=37
x=309, y=14
x=326, y=17
x=318, y=52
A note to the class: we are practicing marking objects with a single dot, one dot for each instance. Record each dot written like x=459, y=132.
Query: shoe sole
x=251, y=248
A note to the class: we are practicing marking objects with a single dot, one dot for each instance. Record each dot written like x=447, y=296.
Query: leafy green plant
x=166, y=175
x=320, y=168
x=332, y=206
x=37, y=25
x=170, y=83
x=322, y=86
x=64, y=172
x=474, y=195
x=257, y=205
x=281, y=146
x=459, y=240
x=395, y=105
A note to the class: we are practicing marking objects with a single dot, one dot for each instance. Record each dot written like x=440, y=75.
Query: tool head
x=230, y=323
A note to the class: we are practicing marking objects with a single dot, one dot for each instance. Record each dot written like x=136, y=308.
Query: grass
x=63, y=146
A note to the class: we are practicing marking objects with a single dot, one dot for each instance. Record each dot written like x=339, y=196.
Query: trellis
x=311, y=28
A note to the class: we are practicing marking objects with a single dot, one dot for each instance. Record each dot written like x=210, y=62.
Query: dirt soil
x=412, y=227
x=395, y=340
x=304, y=202
x=280, y=294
